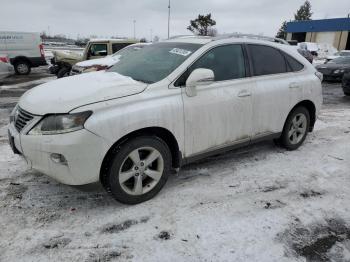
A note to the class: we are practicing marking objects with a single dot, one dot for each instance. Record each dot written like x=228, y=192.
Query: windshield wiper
x=143, y=81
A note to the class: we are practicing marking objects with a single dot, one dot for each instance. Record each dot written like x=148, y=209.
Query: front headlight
x=13, y=113
x=59, y=124
x=338, y=71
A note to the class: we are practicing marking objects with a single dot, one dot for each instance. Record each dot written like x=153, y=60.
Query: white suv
x=164, y=106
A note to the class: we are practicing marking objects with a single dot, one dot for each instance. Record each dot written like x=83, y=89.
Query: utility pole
x=169, y=20
x=151, y=36
x=134, y=29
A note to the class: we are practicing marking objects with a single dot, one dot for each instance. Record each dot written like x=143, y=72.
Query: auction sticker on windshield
x=179, y=51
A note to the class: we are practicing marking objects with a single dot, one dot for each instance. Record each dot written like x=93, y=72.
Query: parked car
x=106, y=62
x=167, y=105
x=346, y=83
x=307, y=54
x=62, y=62
x=334, y=69
x=338, y=54
x=6, y=69
x=24, y=50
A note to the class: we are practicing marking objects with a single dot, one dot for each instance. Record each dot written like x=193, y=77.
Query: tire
x=129, y=170
x=63, y=72
x=347, y=93
x=22, y=67
x=295, y=128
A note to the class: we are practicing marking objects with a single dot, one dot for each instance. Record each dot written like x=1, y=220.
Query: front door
x=97, y=51
x=221, y=112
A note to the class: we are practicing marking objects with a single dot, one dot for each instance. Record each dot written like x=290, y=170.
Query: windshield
x=154, y=62
x=340, y=60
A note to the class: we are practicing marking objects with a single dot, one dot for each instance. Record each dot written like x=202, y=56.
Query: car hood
x=65, y=94
x=106, y=61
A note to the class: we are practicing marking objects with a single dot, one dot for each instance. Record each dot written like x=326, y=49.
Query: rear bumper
x=82, y=150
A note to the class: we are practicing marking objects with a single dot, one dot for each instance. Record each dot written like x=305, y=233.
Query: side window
x=98, y=50
x=266, y=60
x=117, y=46
x=227, y=62
x=293, y=64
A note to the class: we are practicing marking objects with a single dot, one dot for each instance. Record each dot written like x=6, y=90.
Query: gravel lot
x=259, y=203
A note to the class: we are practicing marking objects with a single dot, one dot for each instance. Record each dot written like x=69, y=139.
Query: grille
x=22, y=118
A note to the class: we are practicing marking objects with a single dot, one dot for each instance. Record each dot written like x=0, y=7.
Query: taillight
x=319, y=75
x=4, y=59
x=42, y=50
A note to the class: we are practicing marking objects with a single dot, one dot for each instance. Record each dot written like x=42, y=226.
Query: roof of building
x=323, y=25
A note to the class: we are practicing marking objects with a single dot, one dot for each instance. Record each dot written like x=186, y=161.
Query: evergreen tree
x=202, y=25
x=282, y=31
x=304, y=12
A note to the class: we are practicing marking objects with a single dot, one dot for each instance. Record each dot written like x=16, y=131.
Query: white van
x=25, y=50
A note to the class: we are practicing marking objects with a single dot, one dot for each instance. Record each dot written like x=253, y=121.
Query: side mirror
x=198, y=77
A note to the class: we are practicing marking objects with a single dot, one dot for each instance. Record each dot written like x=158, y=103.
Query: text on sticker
x=179, y=51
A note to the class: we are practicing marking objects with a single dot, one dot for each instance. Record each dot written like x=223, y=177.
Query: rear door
x=276, y=91
x=220, y=114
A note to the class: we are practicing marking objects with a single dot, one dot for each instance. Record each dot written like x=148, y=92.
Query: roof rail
x=252, y=36
x=234, y=35
x=188, y=36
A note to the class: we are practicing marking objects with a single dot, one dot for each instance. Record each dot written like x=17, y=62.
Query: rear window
x=266, y=60
x=117, y=46
x=293, y=64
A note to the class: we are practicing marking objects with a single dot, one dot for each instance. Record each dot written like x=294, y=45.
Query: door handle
x=244, y=93
x=294, y=85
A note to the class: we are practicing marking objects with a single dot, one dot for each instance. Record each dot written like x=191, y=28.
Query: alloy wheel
x=297, y=129
x=141, y=170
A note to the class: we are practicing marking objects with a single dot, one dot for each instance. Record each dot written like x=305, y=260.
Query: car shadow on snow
x=45, y=193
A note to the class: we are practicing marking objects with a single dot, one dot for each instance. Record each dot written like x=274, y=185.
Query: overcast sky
x=106, y=18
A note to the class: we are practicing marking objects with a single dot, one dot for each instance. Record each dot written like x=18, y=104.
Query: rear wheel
x=22, y=67
x=139, y=170
x=295, y=129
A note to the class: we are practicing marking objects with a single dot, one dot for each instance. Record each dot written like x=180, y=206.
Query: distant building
x=332, y=31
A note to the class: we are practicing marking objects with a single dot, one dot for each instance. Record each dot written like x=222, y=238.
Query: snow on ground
x=29, y=83
x=259, y=203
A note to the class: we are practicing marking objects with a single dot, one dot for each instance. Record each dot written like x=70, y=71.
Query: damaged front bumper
x=72, y=158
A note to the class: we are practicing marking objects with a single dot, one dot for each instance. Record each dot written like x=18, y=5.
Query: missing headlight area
x=324, y=241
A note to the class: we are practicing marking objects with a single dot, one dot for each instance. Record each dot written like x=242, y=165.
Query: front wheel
x=139, y=170
x=63, y=72
x=295, y=129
